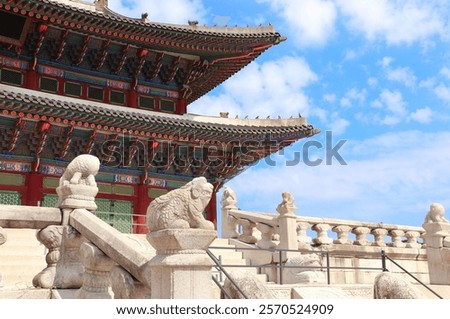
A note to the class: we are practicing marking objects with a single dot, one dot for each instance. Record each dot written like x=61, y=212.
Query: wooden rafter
x=83, y=50
x=42, y=29
x=103, y=54
x=170, y=157
x=91, y=142
x=109, y=155
x=173, y=69
x=68, y=139
x=122, y=59
x=44, y=128
x=157, y=64
x=62, y=44
x=141, y=55
x=15, y=136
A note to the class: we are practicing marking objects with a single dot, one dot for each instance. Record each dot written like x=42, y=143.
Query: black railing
x=219, y=267
x=383, y=266
x=281, y=263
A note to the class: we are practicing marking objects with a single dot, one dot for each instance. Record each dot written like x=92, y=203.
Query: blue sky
x=374, y=73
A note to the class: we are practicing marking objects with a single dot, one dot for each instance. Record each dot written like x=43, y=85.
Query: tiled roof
x=49, y=105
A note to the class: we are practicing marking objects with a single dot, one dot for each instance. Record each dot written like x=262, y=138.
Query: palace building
x=77, y=78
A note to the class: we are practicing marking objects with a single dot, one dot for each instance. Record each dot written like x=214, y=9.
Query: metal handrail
x=218, y=264
x=383, y=263
x=281, y=265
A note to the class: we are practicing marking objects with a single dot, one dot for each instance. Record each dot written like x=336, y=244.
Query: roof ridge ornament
x=100, y=5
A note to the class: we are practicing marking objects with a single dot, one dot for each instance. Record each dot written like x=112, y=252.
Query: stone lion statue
x=436, y=214
x=81, y=170
x=390, y=286
x=181, y=208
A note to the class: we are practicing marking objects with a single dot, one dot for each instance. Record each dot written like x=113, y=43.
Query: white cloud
x=403, y=75
x=422, y=115
x=312, y=22
x=173, y=11
x=329, y=98
x=272, y=88
x=394, y=21
x=445, y=72
x=387, y=178
x=442, y=91
x=353, y=96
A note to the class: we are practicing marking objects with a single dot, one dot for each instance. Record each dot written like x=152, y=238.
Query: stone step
x=14, y=292
x=21, y=257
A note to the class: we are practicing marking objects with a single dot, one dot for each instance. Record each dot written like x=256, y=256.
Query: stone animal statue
x=181, y=208
x=300, y=270
x=249, y=283
x=287, y=204
x=390, y=286
x=229, y=197
x=81, y=170
x=436, y=214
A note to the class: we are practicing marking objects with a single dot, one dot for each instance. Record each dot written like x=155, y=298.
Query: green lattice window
x=10, y=198
x=49, y=200
x=117, y=213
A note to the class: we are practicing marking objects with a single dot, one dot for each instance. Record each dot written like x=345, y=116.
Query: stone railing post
x=397, y=235
x=77, y=189
x=322, y=234
x=342, y=232
x=379, y=237
x=287, y=222
x=96, y=280
x=437, y=243
x=302, y=237
x=361, y=236
x=229, y=223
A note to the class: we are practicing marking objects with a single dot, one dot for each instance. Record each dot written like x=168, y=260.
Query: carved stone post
x=322, y=234
x=397, y=235
x=287, y=222
x=96, y=280
x=181, y=268
x=229, y=223
x=437, y=241
x=361, y=235
x=267, y=233
x=77, y=189
x=379, y=234
x=342, y=234
x=302, y=237
x=64, y=269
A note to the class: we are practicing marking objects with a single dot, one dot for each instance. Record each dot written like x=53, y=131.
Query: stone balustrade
x=263, y=228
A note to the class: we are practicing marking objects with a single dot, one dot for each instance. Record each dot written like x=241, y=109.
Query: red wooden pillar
x=211, y=209
x=140, y=204
x=132, y=98
x=181, y=106
x=31, y=81
x=33, y=194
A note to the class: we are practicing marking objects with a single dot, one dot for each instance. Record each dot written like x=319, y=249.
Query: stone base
x=181, y=269
x=75, y=196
